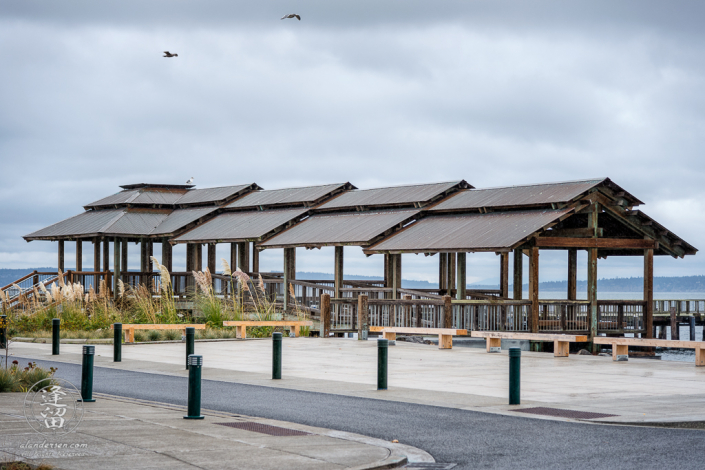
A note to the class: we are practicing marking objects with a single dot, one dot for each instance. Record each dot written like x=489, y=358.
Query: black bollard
x=87, y=374
x=3, y=331
x=276, y=356
x=117, y=342
x=190, y=342
x=55, y=336
x=382, y=356
x=691, y=324
x=514, y=376
x=194, y=387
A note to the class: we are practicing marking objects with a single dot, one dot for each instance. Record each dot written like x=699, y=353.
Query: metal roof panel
x=419, y=193
x=302, y=195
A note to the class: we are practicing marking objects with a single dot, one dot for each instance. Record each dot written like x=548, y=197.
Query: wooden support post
x=396, y=276
x=144, y=261
x=504, y=275
x=592, y=292
x=189, y=258
x=167, y=255
x=150, y=253
x=211, y=258
x=199, y=257
x=363, y=325
x=96, y=256
x=649, y=292
x=462, y=276
x=289, y=274
x=325, y=315
x=106, y=256
x=572, y=273
x=79, y=255
x=451, y=273
x=233, y=256
x=442, y=273
x=675, y=334
x=124, y=265
x=255, y=259
x=447, y=312
x=534, y=288
x=408, y=310
x=387, y=274
x=60, y=263
x=338, y=271
x=243, y=256
x=518, y=274
x=117, y=259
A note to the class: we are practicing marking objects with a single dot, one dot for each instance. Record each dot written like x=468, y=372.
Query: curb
x=390, y=462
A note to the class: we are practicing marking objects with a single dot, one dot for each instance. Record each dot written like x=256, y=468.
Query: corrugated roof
x=180, y=218
x=117, y=221
x=205, y=195
x=468, y=232
x=309, y=194
x=419, y=193
x=138, y=197
x=240, y=226
x=525, y=195
x=340, y=228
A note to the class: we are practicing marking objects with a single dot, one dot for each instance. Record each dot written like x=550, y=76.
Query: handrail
x=417, y=292
x=366, y=289
x=491, y=302
x=33, y=273
x=309, y=284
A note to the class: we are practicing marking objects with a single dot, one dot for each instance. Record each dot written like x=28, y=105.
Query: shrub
x=16, y=379
x=139, y=336
x=171, y=335
x=154, y=335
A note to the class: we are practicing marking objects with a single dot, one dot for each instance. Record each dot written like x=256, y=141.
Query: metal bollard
x=514, y=376
x=87, y=374
x=691, y=324
x=117, y=342
x=276, y=356
x=382, y=355
x=195, y=364
x=55, y=336
x=3, y=331
x=190, y=342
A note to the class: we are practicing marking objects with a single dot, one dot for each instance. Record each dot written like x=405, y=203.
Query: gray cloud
x=375, y=93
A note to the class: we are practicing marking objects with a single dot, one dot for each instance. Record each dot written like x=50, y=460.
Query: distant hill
x=619, y=284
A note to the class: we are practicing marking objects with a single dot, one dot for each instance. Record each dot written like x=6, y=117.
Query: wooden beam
x=79, y=255
x=451, y=273
x=462, y=276
x=255, y=259
x=289, y=274
x=189, y=257
x=60, y=262
x=518, y=274
x=325, y=316
x=604, y=243
x=199, y=256
x=504, y=275
x=211, y=258
x=362, y=315
x=572, y=274
x=649, y=292
x=106, y=255
x=534, y=288
x=396, y=276
x=573, y=233
x=124, y=266
x=442, y=273
x=144, y=261
x=447, y=312
x=96, y=256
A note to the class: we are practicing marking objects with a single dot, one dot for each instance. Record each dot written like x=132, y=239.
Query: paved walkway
x=641, y=391
x=119, y=433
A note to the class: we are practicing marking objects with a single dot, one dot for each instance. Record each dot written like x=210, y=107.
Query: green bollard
x=382, y=355
x=3, y=331
x=514, y=376
x=190, y=342
x=117, y=342
x=87, y=374
x=55, y=336
x=194, y=387
x=276, y=356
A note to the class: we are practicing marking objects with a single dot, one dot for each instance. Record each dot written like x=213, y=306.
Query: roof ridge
x=598, y=180
x=410, y=185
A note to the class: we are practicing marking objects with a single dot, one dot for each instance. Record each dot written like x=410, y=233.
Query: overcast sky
x=372, y=92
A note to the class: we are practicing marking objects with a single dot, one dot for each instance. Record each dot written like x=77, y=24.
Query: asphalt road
x=470, y=439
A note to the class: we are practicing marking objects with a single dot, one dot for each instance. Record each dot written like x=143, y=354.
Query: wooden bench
x=561, y=343
x=620, y=346
x=445, y=335
x=129, y=329
x=243, y=324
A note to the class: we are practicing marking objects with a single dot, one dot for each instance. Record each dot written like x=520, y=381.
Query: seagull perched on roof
x=169, y=54
x=190, y=180
x=291, y=15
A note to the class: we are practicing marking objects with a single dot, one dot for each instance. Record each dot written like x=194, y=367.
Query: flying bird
x=291, y=15
x=169, y=54
x=190, y=180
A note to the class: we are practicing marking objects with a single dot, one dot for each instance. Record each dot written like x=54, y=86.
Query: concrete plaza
x=641, y=391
